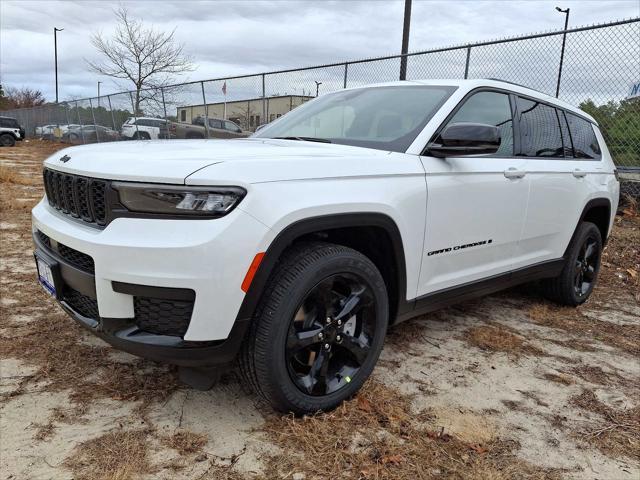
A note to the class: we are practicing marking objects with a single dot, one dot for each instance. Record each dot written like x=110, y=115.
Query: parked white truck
x=294, y=250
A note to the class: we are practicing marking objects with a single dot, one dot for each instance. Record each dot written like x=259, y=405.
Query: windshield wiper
x=305, y=139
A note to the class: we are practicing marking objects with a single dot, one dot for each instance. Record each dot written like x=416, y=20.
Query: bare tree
x=146, y=57
x=242, y=115
x=24, y=97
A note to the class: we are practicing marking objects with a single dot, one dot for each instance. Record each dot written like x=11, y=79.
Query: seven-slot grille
x=77, y=196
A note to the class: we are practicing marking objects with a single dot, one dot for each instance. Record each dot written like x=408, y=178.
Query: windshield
x=385, y=118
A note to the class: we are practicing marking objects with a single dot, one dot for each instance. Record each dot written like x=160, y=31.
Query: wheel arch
x=598, y=212
x=369, y=233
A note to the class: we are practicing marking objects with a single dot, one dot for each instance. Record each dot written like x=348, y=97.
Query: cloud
x=228, y=38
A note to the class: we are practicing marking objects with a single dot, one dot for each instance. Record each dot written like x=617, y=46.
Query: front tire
x=575, y=283
x=318, y=330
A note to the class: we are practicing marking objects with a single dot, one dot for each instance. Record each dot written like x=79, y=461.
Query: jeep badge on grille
x=65, y=159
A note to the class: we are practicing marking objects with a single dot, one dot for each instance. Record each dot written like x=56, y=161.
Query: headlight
x=177, y=200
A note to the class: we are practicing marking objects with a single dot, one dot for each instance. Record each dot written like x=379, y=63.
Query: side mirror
x=460, y=139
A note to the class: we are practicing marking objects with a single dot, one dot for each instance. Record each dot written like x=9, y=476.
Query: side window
x=585, y=143
x=232, y=127
x=213, y=123
x=490, y=108
x=539, y=130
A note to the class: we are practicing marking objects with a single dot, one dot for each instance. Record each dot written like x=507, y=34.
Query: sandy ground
x=508, y=386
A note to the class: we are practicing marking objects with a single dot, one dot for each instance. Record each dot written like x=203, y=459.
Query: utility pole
x=564, y=39
x=405, y=39
x=55, y=49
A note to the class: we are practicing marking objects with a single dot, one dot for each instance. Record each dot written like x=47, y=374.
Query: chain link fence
x=600, y=66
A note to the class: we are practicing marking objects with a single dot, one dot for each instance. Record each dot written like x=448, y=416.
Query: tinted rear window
x=585, y=143
x=9, y=123
x=539, y=130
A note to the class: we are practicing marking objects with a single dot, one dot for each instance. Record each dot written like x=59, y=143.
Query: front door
x=476, y=205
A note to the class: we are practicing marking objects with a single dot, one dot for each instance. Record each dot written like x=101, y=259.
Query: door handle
x=513, y=173
x=579, y=173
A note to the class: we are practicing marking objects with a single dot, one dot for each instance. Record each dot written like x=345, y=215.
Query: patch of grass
x=623, y=337
x=58, y=415
x=497, y=338
x=185, y=442
x=616, y=433
x=10, y=175
x=63, y=362
x=595, y=374
x=558, y=378
x=116, y=455
x=378, y=436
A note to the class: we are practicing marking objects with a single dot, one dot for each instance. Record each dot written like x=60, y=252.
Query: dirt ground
x=504, y=387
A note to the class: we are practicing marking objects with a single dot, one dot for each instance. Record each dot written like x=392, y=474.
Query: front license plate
x=45, y=276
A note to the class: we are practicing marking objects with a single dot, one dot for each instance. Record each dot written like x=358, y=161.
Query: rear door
x=563, y=161
x=476, y=205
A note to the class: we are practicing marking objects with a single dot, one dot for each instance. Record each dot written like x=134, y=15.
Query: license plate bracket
x=48, y=274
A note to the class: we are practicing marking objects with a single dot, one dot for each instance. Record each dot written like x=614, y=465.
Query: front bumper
x=161, y=348
x=124, y=333
x=207, y=258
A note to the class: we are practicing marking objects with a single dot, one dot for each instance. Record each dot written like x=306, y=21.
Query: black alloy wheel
x=330, y=336
x=579, y=274
x=586, y=266
x=318, y=330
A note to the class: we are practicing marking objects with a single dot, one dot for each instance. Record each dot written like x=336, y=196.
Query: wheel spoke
x=590, y=250
x=351, y=305
x=302, y=339
x=590, y=274
x=317, y=377
x=358, y=346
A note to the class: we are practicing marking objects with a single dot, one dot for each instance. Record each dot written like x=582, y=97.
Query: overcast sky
x=227, y=38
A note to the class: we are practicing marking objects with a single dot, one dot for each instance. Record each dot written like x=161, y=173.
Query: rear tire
x=575, y=283
x=318, y=330
x=141, y=136
x=7, y=140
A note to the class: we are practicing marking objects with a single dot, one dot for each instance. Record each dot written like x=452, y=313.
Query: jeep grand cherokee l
x=294, y=250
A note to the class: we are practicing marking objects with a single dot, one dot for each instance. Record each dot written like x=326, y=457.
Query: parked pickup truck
x=218, y=128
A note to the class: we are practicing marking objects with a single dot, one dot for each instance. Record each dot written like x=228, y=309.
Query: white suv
x=294, y=250
x=144, y=128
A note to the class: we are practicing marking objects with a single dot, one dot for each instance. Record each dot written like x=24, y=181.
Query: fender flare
x=319, y=224
x=594, y=202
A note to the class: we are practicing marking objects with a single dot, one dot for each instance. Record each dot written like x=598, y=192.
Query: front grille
x=77, y=259
x=77, y=196
x=85, y=306
x=162, y=317
x=44, y=239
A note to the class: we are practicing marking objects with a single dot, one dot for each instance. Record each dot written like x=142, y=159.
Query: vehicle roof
x=146, y=118
x=472, y=84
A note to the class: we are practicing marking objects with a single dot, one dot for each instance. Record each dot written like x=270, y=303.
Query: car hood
x=245, y=161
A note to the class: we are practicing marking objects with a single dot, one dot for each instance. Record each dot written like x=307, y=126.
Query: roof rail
x=516, y=84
